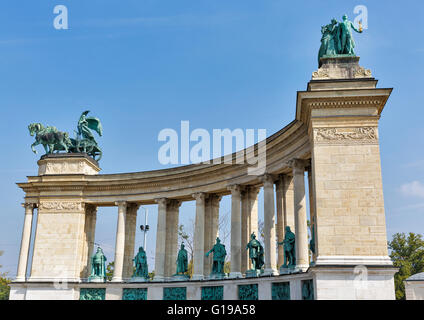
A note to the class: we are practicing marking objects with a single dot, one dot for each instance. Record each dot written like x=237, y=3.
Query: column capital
x=29, y=205
x=298, y=165
x=253, y=190
x=215, y=198
x=268, y=179
x=132, y=208
x=90, y=208
x=235, y=189
x=120, y=203
x=162, y=201
x=174, y=203
x=199, y=196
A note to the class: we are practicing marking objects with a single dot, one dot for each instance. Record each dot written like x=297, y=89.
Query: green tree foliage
x=407, y=254
x=4, y=284
x=109, y=270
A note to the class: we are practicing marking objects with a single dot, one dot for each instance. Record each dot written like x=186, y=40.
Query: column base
x=159, y=279
x=20, y=279
x=197, y=277
x=235, y=275
x=302, y=267
x=117, y=280
x=270, y=272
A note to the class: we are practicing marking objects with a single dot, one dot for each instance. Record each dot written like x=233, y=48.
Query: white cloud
x=414, y=189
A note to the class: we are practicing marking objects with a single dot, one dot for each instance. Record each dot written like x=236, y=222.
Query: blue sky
x=142, y=66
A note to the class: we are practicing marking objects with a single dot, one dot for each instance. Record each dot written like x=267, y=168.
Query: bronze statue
x=256, y=252
x=219, y=254
x=289, y=248
x=140, y=262
x=98, y=266
x=182, y=260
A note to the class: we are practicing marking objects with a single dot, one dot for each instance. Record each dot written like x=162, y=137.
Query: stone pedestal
x=67, y=163
x=139, y=279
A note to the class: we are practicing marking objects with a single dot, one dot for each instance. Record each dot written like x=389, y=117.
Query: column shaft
x=281, y=223
x=25, y=242
x=160, y=240
x=301, y=227
x=120, y=242
x=171, y=245
x=130, y=229
x=235, y=232
x=269, y=225
x=245, y=229
x=199, y=240
x=312, y=215
x=90, y=233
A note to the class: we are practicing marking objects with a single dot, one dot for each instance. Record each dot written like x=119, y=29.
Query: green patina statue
x=256, y=252
x=54, y=140
x=140, y=262
x=219, y=254
x=98, y=266
x=182, y=260
x=337, y=39
x=289, y=248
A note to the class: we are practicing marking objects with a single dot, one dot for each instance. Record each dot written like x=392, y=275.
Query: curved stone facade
x=334, y=138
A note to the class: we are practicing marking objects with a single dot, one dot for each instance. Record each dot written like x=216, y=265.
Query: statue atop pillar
x=337, y=39
x=289, y=250
x=182, y=262
x=141, y=272
x=98, y=267
x=219, y=254
x=256, y=254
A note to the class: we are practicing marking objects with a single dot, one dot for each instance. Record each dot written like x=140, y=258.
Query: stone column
x=90, y=232
x=171, y=245
x=199, y=240
x=235, y=231
x=160, y=240
x=281, y=223
x=269, y=225
x=25, y=242
x=130, y=230
x=285, y=210
x=301, y=227
x=211, y=228
x=245, y=230
x=312, y=214
x=118, y=270
x=249, y=209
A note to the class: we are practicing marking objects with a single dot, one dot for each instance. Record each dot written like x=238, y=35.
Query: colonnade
x=283, y=206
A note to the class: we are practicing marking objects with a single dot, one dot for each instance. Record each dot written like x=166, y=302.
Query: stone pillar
x=90, y=232
x=25, y=242
x=130, y=230
x=199, y=240
x=118, y=270
x=235, y=231
x=301, y=226
x=312, y=214
x=244, y=229
x=285, y=210
x=211, y=228
x=249, y=216
x=171, y=245
x=269, y=226
x=160, y=240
